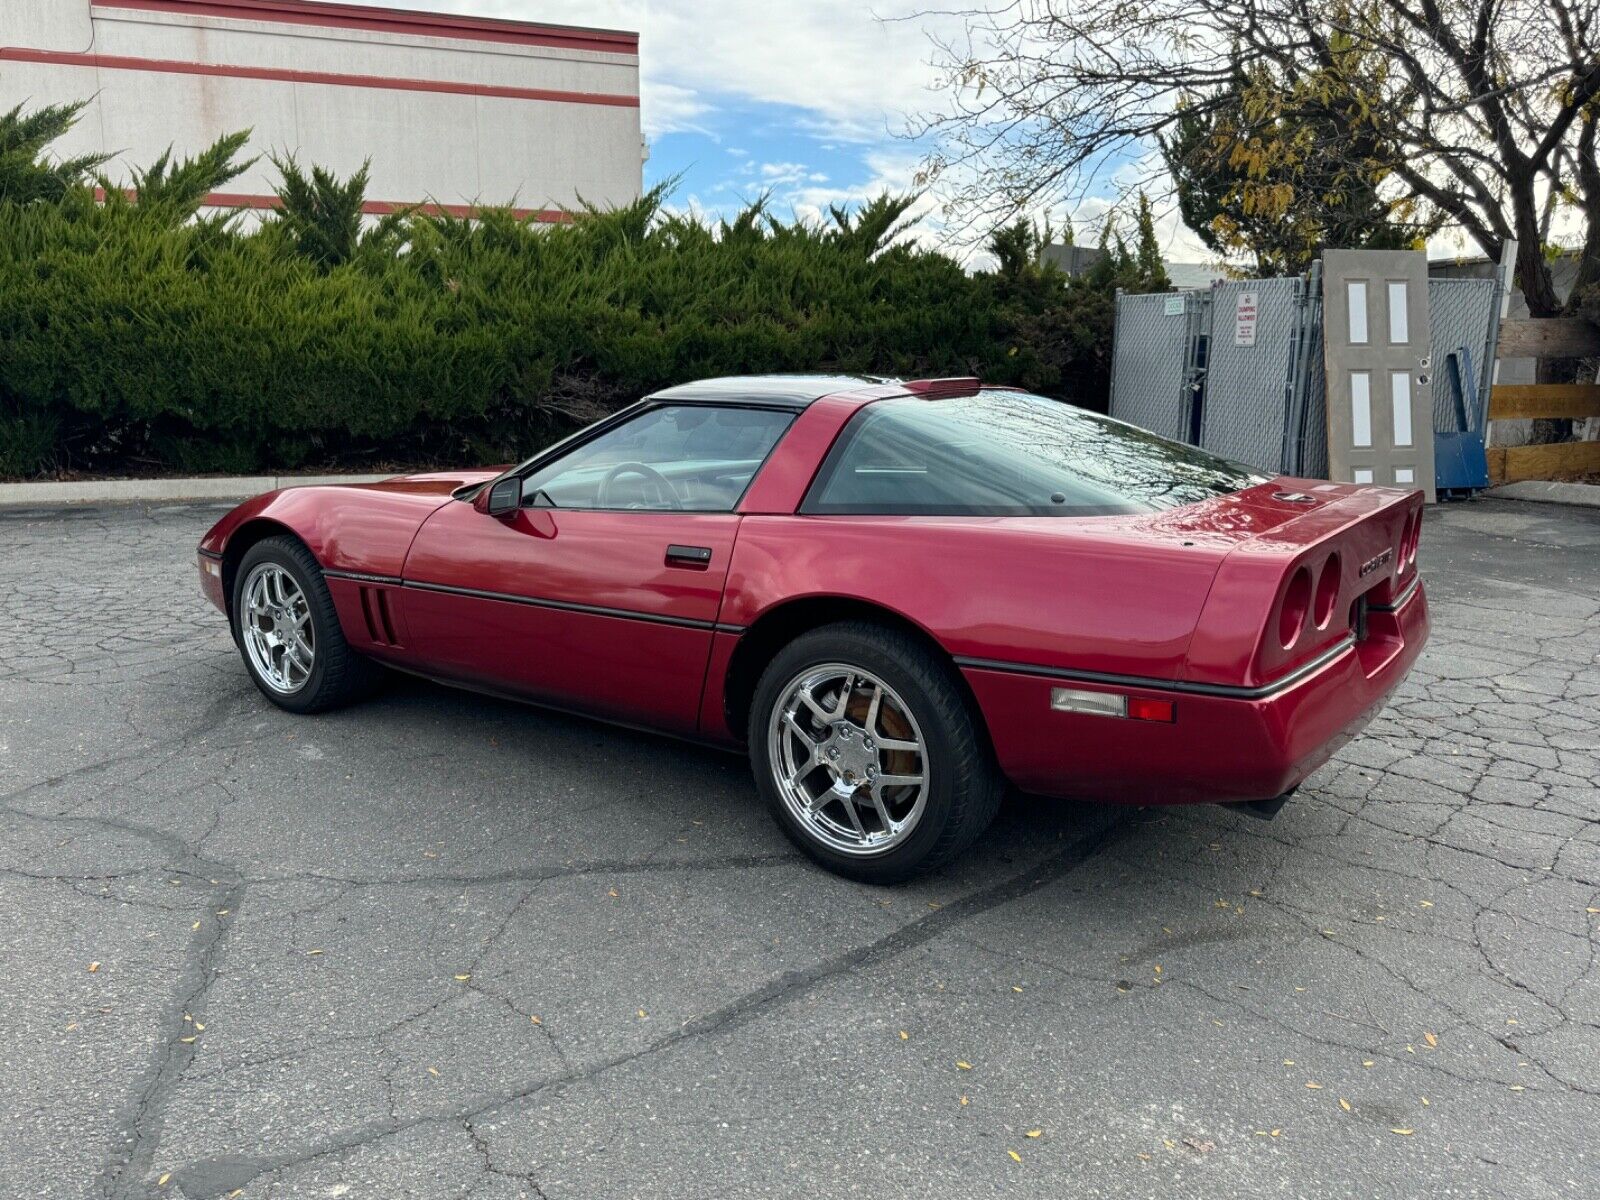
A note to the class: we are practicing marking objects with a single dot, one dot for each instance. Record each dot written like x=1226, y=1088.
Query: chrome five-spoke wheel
x=277, y=630
x=848, y=759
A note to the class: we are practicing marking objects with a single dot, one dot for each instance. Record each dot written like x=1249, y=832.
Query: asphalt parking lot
x=443, y=946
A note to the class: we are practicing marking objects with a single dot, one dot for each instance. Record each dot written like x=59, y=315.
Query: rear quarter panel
x=1097, y=594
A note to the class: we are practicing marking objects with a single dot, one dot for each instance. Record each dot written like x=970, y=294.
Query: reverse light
x=1112, y=704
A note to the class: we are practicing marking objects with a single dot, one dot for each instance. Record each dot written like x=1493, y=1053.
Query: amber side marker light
x=1112, y=704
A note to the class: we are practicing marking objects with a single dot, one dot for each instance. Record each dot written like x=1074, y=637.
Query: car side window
x=686, y=458
x=1003, y=453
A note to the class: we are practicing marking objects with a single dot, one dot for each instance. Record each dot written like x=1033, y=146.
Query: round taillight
x=1296, y=600
x=1327, y=591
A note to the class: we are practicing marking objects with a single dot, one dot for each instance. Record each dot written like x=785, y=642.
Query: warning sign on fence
x=1244, y=322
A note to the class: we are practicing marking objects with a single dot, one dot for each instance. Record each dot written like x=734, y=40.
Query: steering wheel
x=665, y=492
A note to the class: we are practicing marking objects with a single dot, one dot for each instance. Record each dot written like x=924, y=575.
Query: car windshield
x=1002, y=453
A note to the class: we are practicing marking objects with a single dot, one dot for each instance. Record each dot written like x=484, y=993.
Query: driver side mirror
x=500, y=499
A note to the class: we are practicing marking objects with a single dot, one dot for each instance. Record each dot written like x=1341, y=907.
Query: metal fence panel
x=1314, y=425
x=1462, y=311
x=1247, y=381
x=1150, y=357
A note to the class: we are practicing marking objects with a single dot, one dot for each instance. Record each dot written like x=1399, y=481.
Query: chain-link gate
x=1462, y=312
x=1255, y=338
x=1463, y=318
x=1150, y=363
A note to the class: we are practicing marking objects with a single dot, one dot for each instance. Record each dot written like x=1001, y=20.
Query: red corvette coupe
x=897, y=596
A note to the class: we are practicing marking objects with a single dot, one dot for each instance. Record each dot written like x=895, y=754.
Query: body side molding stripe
x=392, y=580
x=626, y=614
x=1232, y=691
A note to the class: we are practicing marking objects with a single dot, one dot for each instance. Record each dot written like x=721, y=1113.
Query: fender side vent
x=375, y=613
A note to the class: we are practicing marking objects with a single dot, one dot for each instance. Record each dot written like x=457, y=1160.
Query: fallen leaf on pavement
x=1431, y=1039
x=963, y=1066
x=1403, y=1132
x=1014, y=1155
x=93, y=967
x=1035, y=1132
x=1344, y=1104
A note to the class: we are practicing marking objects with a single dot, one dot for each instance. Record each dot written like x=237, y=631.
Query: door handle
x=696, y=558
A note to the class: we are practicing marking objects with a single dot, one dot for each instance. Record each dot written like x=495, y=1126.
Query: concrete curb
x=110, y=491
x=1585, y=495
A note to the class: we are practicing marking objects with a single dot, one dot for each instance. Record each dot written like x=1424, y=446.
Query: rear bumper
x=1220, y=747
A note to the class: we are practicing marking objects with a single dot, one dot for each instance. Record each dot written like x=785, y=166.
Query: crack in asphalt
x=217, y=1177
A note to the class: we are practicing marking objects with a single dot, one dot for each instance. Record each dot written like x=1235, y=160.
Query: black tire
x=338, y=674
x=964, y=783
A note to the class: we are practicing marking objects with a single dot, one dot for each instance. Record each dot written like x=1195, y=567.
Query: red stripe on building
x=116, y=62
x=396, y=21
x=376, y=208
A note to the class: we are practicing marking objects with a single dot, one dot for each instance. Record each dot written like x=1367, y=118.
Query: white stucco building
x=451, y=110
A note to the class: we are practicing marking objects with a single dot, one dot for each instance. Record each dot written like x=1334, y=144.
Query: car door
x=601, y=592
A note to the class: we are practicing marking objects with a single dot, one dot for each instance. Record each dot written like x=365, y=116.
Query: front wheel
x=288, y=631
x=869, y=754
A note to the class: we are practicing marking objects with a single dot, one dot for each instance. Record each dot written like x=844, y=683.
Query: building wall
x=452, y=110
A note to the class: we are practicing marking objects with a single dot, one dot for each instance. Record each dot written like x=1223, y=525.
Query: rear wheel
x=289, y=634
x=868, y=753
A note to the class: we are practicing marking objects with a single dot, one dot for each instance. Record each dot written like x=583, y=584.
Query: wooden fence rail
x=1557, y=460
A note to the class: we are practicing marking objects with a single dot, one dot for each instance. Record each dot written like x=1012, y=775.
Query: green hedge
x=134, y=337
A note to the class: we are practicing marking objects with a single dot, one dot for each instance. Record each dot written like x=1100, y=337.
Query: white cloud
x=855, y=69
x=672, y=109
x=775, y=174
